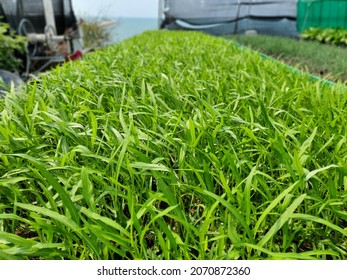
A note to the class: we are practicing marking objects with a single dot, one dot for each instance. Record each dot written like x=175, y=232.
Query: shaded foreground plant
x=173, y=145
x=10, y=43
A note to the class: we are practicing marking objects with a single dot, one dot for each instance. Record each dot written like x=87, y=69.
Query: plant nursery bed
x=323, y=60
x=174, y=145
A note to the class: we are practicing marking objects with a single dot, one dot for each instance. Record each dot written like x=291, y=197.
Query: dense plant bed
x=174, y=145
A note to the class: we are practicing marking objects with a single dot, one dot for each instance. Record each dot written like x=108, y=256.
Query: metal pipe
x=49, y=13
x=42, y=38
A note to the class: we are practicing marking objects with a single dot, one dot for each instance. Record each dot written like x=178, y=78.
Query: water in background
x=128, y=27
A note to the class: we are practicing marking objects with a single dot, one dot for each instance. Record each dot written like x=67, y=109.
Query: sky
x=116, y=8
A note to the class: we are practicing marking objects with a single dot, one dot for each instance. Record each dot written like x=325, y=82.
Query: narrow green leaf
x=62, y=219
x=278, y=256
x=234, y=212
x=87, y=188
x=318, y=220
x=67, y=202
x=307, y=143
x=54, y=215
x=271, y=206
x=314, y=172
x=105, y=220
x=282, y=220
x=94, y=124
x=149, y=166
x=247, y=195
x=12, y=181
x=15, y=239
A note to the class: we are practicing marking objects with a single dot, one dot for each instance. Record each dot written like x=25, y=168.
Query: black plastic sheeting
x=8, y=78
x=221, y=17
x=13, y=11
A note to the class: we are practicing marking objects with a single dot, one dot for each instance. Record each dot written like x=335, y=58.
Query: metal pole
x=160, y=12
x=237, y=16
x=49, y=13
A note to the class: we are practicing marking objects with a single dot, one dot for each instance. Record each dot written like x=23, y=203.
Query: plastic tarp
x=277, y=17
x=8, y=78
x=8, y=12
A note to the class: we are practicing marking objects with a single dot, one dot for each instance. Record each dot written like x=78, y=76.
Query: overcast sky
x=116, y=8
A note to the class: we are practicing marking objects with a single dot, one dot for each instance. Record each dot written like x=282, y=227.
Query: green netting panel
x=321, y=13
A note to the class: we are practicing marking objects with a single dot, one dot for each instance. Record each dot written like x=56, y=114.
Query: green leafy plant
x=174, y=145
x=10, y=43
x=335, y=36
